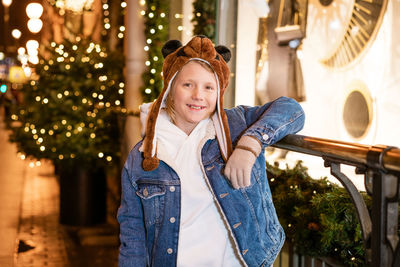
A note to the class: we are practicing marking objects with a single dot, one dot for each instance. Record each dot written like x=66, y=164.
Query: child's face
x=194, y=96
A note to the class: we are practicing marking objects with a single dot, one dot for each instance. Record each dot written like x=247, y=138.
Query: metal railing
x=380, y=166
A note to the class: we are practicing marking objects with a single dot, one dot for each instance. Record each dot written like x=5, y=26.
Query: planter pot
x=82, y=196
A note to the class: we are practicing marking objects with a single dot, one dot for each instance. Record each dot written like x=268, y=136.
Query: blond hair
x=169, y=101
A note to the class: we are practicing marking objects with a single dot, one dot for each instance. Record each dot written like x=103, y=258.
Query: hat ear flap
x=224, y=52
x=170, y=47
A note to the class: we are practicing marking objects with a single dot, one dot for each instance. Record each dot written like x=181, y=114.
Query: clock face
x=326, y=24
x=343, y=29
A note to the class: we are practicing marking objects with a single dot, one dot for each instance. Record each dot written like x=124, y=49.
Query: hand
x=239, y=165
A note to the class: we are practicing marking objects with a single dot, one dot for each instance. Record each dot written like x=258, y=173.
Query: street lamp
x=6, y=3
x=16, y=34
x=34, y=11
x=35, y=25
x=32, y=47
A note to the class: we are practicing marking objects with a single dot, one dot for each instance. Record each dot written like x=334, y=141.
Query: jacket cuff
x=263, y=135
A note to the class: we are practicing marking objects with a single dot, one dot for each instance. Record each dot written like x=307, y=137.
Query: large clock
x=342, y=30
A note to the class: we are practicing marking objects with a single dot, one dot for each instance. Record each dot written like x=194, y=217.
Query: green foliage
x=71, y=112
x=156, y=32
x=318, y=217
x=204, y=18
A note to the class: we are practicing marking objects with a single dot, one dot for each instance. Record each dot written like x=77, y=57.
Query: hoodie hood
x=175, y=57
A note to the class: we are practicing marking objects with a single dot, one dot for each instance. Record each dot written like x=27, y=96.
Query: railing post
x=384, y=239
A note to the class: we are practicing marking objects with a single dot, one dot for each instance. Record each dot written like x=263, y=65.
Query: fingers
x=238, y=168
x=246, y=177
x=239, y=178
x=234, y=179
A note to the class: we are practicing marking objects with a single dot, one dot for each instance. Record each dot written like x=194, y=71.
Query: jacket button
x=169, y=251
x=265, y=137
x=172, y=188
x=145, y=192
x=172, y=219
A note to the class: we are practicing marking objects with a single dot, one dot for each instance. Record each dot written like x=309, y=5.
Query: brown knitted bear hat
x=175, y=57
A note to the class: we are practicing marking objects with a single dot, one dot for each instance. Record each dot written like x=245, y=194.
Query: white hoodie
x=203, y=235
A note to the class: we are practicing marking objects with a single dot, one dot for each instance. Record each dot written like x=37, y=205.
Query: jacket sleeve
x=274, y=120
x=132, y=232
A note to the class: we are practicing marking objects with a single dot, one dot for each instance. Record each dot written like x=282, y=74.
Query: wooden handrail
x=388, y=159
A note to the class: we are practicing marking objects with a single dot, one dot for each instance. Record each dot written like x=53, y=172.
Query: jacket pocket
x=152, y=195
x=148, y=191
x=273, y=225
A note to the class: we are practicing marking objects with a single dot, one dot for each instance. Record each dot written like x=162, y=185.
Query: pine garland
x=318, y=217
x=204, y=18
x=156, y=32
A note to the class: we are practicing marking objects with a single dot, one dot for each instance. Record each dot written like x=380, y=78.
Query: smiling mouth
x=196, y=107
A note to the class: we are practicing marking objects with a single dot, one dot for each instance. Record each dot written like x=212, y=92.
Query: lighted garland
x=204, y=18
x=107, y=22
x=155, y=13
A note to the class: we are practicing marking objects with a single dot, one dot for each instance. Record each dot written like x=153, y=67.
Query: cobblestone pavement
x=41, y=237
x=29, y=219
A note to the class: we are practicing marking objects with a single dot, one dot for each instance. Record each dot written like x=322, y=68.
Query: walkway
x=29, y=212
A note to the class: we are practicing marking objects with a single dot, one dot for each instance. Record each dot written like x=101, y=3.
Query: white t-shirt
x=203, y=235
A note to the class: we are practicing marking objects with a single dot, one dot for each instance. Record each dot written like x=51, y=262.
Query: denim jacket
x=149, y=214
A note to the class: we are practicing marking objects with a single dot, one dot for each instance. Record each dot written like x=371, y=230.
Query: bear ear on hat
x=224, y=52
x=170, y=47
